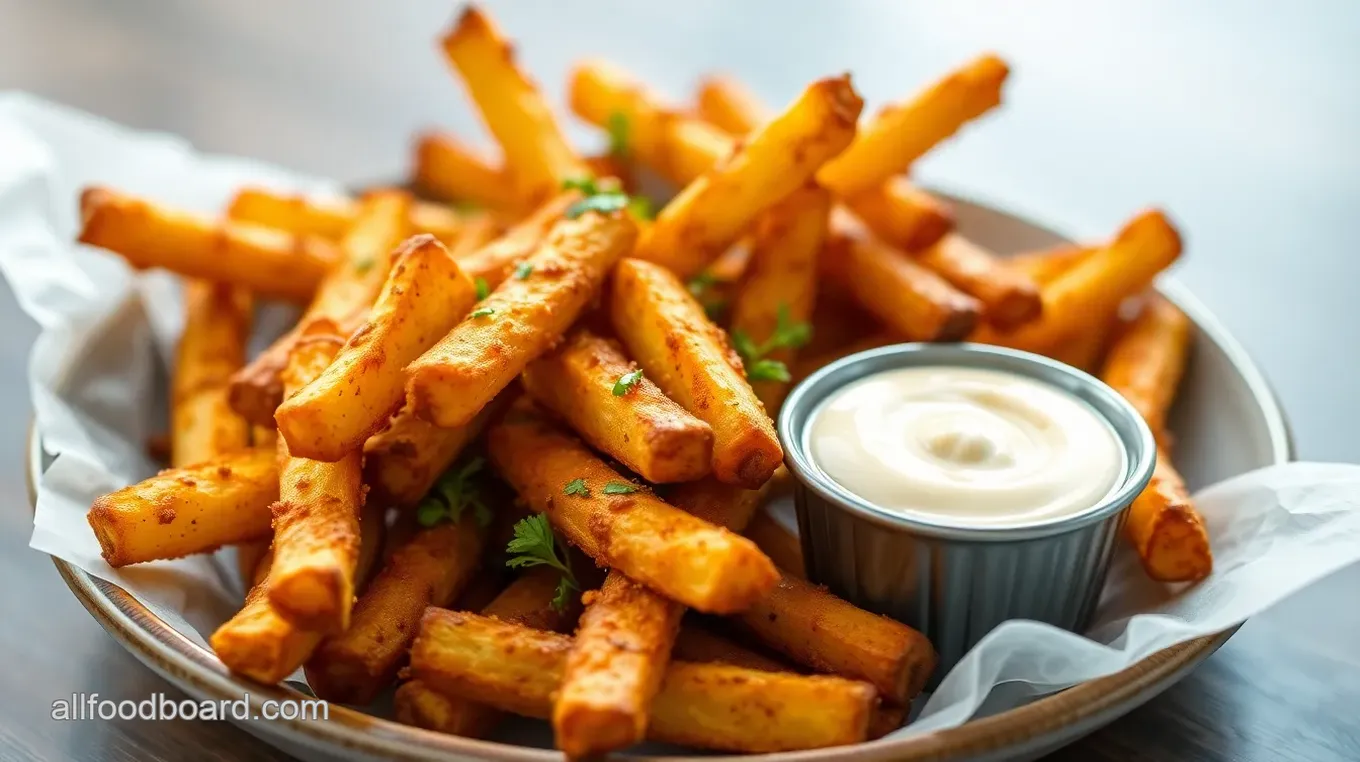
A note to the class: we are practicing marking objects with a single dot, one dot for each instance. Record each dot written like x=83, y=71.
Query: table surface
x=1242, y=123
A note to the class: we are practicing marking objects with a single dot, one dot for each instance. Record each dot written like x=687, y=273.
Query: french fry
x=480, y=230
x=521, y=320
x=264, y=261
x=448, y=170
x=1097, y=284
x=528, y=601
x=699, y=644
x=912, y=301
x=667, y=332
x=818, y=630
x=265, y=647
x=537, y=156
x=351, y=667
x=1146, y=362
x=212, y=347
x=1045, y=265
x=726, y=505
x=404, y=460
x=781, y=278
x=343, y=299
x=901, y=214
x=425, y=296
x=901, y=133
x=1166, y=530
x=703, y=705
x=587, y=382
x=614, y=668
x=683, y=557
x=1085, y=350
x=778, y=543
x=725, y=103
x=316, y=520
x=182, y=511
x=713, y=211
x=1009, y=298
x=332, y=218
x=496, y=260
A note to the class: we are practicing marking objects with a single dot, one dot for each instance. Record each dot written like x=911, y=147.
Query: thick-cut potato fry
x=726, y=505
x=614, y=668
x=815, y=628
x=266, y=647
x=519, y=321
x=713, y=211
x=666, y=331
x=343, y=298
x=641, y=428
x=316, y=520
x=725, y=103
x=1045, y=265
x=448, y=170
x=1096, y=284
x=778, y=543
x=481, y=228
x=418, y=705
x=901, y=133
x=1146, y=362
x=1085, y=350
x=1167, y=531
x=332, y=218
x=213, y=346
x=781, y=278
x=1009, y=298
x=496, y=260
x=528, y=601
x=911, y=300
x=703, y=705
x=697, y=643
x=351, y=667
x=404, y=460
x=663, y=547
x=537, y=156
x=188, y=510
x=902, y=214
x=264, y=261
x=809, y=364
x=425, y=296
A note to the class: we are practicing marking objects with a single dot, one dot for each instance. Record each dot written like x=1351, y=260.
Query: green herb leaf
x=534, y=544
x=586, y=185
x=363, y=265
x=627, y=381
x=620, y=488
x=576, y=487
x=768, y=370
x=701, y=283
x=641, y=208
x=456, y=491
x=565, y=587
x=430, y=512
x=483, y=288
x=604, y=203
x=748, y=350
x=482, y=312
x=787, y=334
x=524, y=269
x=617, y=127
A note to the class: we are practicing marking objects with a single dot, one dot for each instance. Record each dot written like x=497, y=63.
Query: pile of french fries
x=557, y=406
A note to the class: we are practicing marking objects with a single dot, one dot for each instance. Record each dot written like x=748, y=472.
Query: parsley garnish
x=483, y=288
x=535, y=544
x=787, y=335
x=617, y=127
x=576, y=487
x=641, y=208
x=604, y=198
x=524, y=269
x=620, y=488
x=363, y=265
x=604, y=203
x=627, y=381
x=456, y=490
x=698, y=286
x=482, y=312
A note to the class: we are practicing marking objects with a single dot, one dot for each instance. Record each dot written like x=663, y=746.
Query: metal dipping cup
x=951, y=581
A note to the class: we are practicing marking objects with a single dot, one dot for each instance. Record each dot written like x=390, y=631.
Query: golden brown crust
x=216, y=327
x=402, y=461
x=1146, y=362
x=1009, y=297
x=1167, y=531
x=902, y=214
x=446, y=169
x=331, y=218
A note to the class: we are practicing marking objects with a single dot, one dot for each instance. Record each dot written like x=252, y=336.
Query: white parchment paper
x=97, y=379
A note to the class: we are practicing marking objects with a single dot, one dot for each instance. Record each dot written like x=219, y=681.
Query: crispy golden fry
x=901, y=214
x=404, y=460
x=703, y=705
x=251, y=559
x=425, y=296
x=665, y=548
x=266, y=647
x=418, y=705
x=431, y=570
x=537, y=156
x=481, y=229
x=1167, y=531
x=810, y=364
x=815, y=628
x=725, y=103
x=676, y=146
x=264, y=261
x=528, y=601
x=316, y=521
x=1146, y=362
x=699, y=644
x=189, y=510
x=901, y=133
x=778, y=543
x=726, y=505
x=911, y=300
x=521, y=320
x=1085, y=350
x=1045, y=265
x=614, y=668
x=713, y=211
x=1009, y=298
x=584, y=382
x=496, y=260
x=332, y=218
x=1097, y=284
x=666, y=331
x=213, y=346
x=781, y=278
x=448, y=170
x=343, y=298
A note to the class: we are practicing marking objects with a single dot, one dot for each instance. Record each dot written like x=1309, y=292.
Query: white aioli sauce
x=973, y=446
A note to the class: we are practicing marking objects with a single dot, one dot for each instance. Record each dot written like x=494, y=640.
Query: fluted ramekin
x=956, y=582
